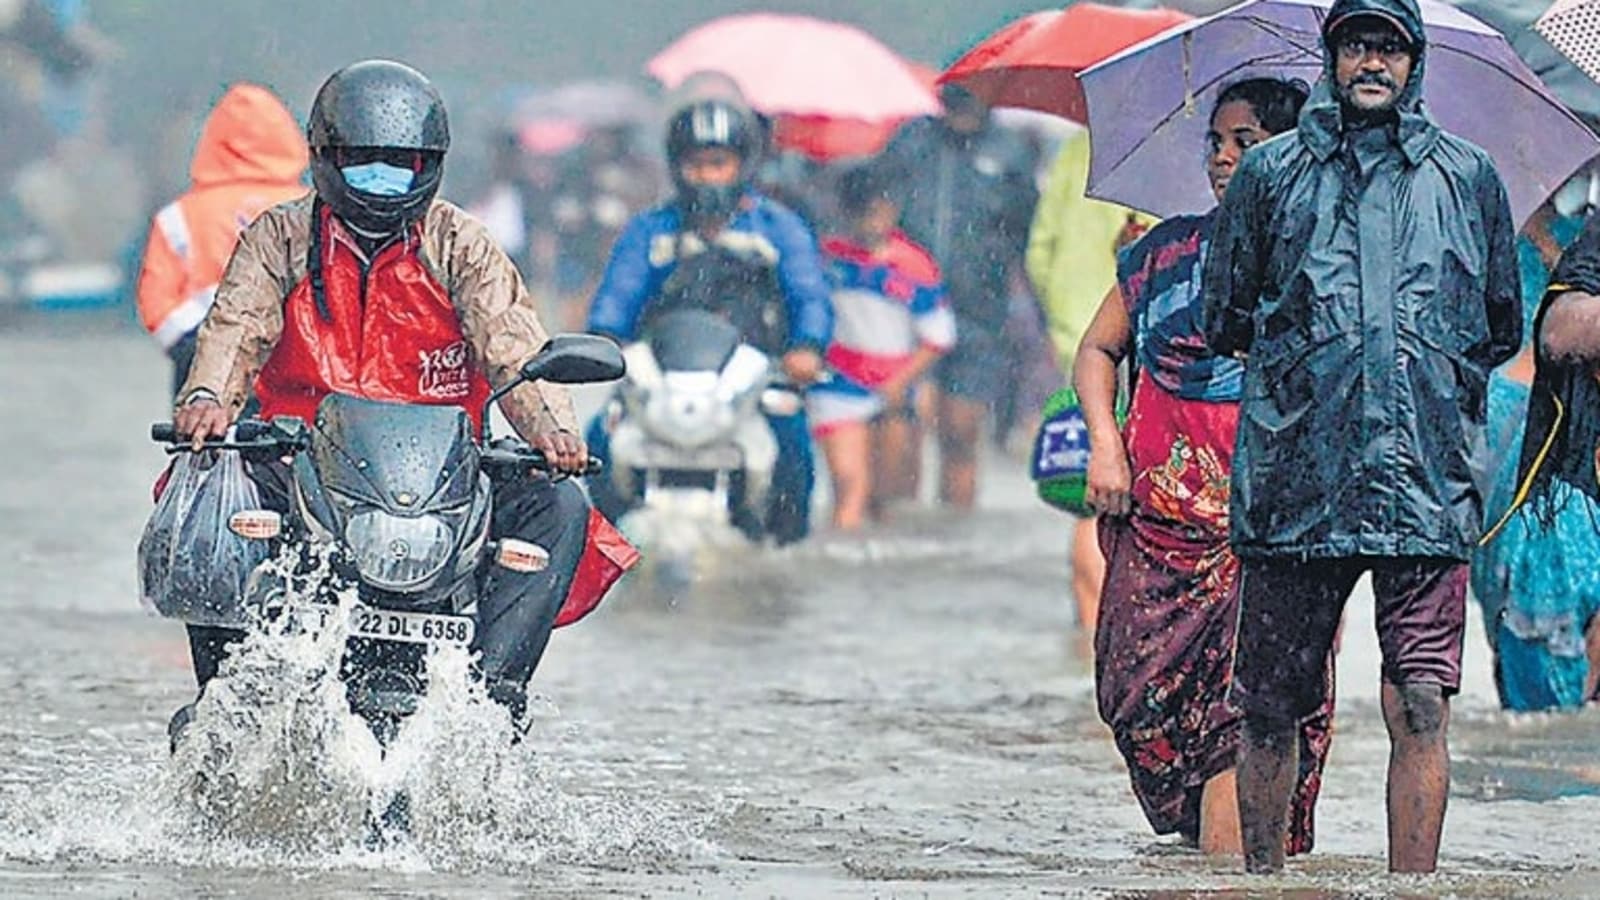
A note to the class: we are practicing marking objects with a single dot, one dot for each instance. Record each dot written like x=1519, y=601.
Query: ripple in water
x=276, y=771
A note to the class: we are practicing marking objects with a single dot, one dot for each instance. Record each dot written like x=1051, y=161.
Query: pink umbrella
x=801, y=66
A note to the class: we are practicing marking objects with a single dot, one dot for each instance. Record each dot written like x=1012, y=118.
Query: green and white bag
x=1060, y=462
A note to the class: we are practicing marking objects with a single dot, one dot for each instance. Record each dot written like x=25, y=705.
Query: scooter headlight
x=687, y=411
x=398, y=554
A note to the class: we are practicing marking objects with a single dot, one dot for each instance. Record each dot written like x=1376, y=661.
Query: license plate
x=411, y=627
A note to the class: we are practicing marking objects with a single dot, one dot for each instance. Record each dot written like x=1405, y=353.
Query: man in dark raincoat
x=1365, y=265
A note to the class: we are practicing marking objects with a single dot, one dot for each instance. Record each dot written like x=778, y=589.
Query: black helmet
x=712, y=123
x=378, y=111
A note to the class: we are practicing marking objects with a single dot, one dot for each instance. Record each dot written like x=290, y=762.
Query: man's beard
x=1347, y=93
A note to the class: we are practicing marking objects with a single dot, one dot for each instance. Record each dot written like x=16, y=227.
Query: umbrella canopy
x=1573, y=27
x=549, y=137
x=799, y=65
x=1515, y=19
x=1149, y=106
x=592, y=104
x=1034, y=61
x=828, y=139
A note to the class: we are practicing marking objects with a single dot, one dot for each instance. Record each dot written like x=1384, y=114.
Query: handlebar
x=257, y=435
x=513, y=460
x=505, y=457
x=248, y=431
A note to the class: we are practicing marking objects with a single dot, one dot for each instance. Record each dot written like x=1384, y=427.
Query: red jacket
x=405, y=346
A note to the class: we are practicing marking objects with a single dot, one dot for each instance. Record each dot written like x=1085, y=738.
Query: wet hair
x=860, y=187
x=1275, y=101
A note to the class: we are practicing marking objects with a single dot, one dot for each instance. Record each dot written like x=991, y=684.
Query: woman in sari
x=1534, y=573
x=1165, y=640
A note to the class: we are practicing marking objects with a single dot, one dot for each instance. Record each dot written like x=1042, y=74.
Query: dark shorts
x=1289, y=613
x=976, y=368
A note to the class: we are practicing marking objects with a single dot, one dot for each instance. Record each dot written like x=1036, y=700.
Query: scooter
x=692, y=454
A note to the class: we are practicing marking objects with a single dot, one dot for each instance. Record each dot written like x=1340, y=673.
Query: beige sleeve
x=247, y=318
x=502, y=328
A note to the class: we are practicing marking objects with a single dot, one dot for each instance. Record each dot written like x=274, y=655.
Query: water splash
x=275, y=771
x=273, y=756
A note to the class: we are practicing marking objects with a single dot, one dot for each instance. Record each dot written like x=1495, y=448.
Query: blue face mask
x=379, y=179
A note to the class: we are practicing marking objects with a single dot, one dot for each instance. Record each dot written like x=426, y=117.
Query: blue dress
x=1537, y=581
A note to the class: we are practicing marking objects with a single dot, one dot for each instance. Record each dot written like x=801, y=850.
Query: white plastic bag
x=191, y=565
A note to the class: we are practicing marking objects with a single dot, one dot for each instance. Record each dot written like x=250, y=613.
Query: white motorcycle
x=691, y=450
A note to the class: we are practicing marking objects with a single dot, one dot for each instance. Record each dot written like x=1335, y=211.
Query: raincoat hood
x=1322, y=118
x=1402, y=14
x=249, y=136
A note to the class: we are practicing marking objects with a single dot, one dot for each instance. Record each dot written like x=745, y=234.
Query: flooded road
x=902, y=715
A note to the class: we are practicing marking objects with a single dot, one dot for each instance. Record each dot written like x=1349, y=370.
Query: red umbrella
x=826, y=138
x=1034, y=62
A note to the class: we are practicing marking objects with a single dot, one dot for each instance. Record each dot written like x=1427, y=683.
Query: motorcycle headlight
x=395, y=553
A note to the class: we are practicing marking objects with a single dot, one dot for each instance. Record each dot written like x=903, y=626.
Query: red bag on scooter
x=607, y=556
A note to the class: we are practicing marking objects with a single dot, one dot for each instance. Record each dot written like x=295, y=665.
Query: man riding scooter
x=722, y=247
x=372, y=287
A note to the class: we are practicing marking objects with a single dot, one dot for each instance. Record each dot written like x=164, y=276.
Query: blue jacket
x=646, y=254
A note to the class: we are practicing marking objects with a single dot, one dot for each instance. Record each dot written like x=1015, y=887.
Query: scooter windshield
x=402, y=458
x=692, y=341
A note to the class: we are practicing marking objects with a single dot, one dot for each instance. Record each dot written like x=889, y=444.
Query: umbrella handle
x=1189, y=105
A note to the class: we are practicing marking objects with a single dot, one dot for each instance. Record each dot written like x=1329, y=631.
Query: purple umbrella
x=1149, y=105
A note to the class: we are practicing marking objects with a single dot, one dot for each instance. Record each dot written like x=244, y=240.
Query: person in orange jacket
x=251, y=156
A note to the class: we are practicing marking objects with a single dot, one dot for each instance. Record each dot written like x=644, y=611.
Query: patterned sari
x=1165, y=639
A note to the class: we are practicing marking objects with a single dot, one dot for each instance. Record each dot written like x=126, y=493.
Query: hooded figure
x=1365, y=267
x=1369, y=271
x=251, y=156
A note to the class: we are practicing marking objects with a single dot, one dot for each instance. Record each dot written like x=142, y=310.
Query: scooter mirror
x=576, y=359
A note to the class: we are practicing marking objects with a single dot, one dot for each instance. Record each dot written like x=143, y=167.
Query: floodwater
x=906, y=714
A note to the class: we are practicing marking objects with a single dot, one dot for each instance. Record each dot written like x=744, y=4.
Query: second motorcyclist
x=721, y=246
x=372, y=287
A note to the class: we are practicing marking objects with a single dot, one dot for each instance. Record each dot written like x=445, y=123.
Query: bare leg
x=1268, y=763
x=1219, y=816
x=959, y=424
x=1088, y=572
x=897, y=459
x=927, y=404
x=847, y=447
x=1418, y=716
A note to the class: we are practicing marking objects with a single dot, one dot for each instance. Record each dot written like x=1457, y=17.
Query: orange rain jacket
x=250, y=157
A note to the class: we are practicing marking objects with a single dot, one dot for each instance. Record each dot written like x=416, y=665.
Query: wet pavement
x=904, y=714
